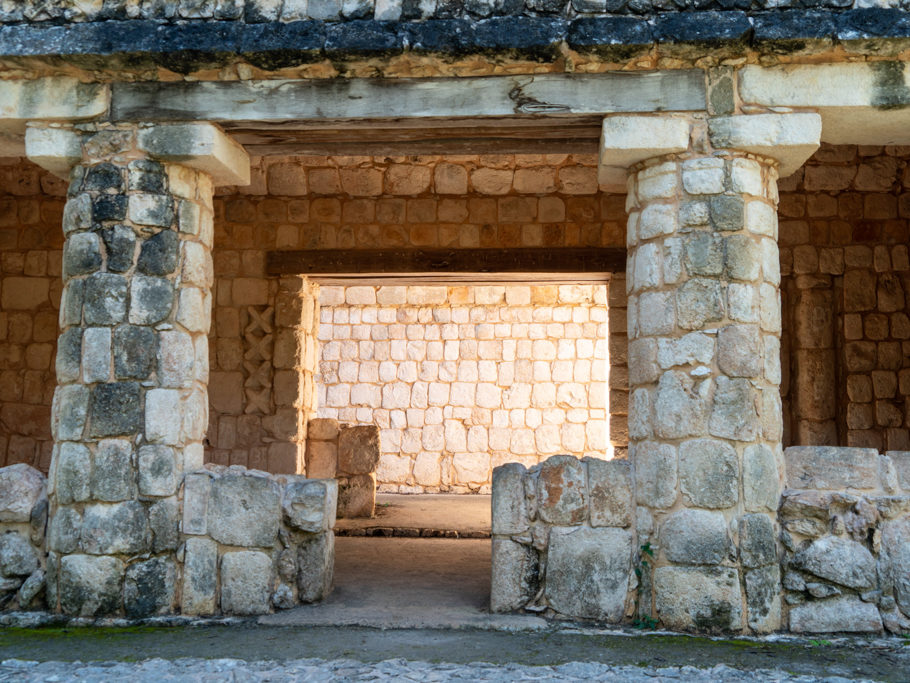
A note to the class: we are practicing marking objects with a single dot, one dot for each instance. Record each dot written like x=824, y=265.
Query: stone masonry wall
x=462, y=379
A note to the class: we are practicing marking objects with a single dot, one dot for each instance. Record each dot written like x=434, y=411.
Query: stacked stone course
x=464, y=378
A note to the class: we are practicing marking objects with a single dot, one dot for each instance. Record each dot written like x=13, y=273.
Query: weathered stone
x=200, y=577
x=96, y=354
x=112, y=471
x=695, y=348
x=120, y=244
x=358, y=449
x=840, y=560
x=761, y=479
x=149, y=588
x=157, y=470
x=698, y=301
x=742, y=257
x=72, y=474
x=109, y=207
x=69, y=347
x=151, y=209
x=17, y=555
x=81, y=254
x=161, y=405
x=120, y=528
x=158, y=255
x=515, y=577
x=283, y=597
x=609, y=493
x=739, y=351
x=104, y=299
x=103, y=176
x=77, y=214
x=508, y=510
x=757, y=545
x=197, y=488
x=823, y=590
x=146, y=175
x=655, y=466
x=90, y=586
x=708, y=473
x=309, y=504
x=316, y=563
x=244, y=510
x=682, y=405
x=164, y=523
x=734, y=414
x=831, y=468
x=696, y=537
x=246, y=582
x=30, y=588
x=151, y=300
x=135, y=349
x=21, y=488
x=357, y=496
x=322, y=429
x=64, y=530
x=894, y=561
x=562, y=491
x=588, y=572
x=763, y=608
x=845, y=613
x=321, y=459
x=698, y=598
x=704, y=253
x=116, y=409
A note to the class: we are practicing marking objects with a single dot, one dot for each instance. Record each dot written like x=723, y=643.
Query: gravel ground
x=211, y=670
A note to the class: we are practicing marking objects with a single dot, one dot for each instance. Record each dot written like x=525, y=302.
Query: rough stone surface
x=90, y=586
x=833, y=469
x=244, y=510
x=696, y=537
x=245, y=582
x=763, y=603
x=509, y=512
x=21, y=488
x=708, y=473
x=119, y=528
x=149, y=588
x=515, y=577
x=200, y=577
x=316, y=563
x=357, y=496
x=840, y=560
x=839, y=614
x=309, y=505
x=358, y=449
x=609, y=493
x=698, y=598
x=17, y=555
x=561, y=491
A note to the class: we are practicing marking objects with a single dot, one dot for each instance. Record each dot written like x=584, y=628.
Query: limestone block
x=788, y=138
x=588, y=572
x=164, y=520
x=609, y=493
x=57, y=150
x=655, y=466
x=112, y=471
x=831, y=468
x=471, y=468
x=628, y=139
x=358, y=449
x=695, y=348
x=119, y=528
x=149, y=588
x=71, y=480
x=247, y=577
x=692, y=536
x=21, y=488
x=309, y=505
x=244, y=510
x=202, y=146
x=515, y=575
x=158, y=470
x=115, y=409
x=763, y=604
x=200, y=577
x=895, y=561
x=698, y=598
x=64, y=530
x=734, y=413
x=322, y=429
x=681, y=405
x=321, y=459
x=845, y=613
x=90, y=586
x=739, y=351
x=841, y=560
x=316, y=564
x=708, y=473
x=17, y=555
x=757, y=545
x=357, y=495
x=509, y=512
x=562, y=491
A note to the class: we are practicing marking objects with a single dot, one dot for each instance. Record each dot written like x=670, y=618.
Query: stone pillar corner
x=789, y=138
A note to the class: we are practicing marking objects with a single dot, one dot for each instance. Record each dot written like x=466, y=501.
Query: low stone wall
x=845, y=528
x=563, y=538
x=23, y=519
x=350, y=455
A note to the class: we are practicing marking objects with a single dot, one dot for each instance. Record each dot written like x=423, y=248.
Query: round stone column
x=704, y=371
x=131, y=408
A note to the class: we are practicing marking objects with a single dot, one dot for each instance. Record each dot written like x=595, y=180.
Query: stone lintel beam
x=58, y=100
x=627, y=140
x=201, y=146
x=790, y=139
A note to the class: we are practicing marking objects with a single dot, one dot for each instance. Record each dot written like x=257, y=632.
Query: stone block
x=120, y=245
x=831, y=468
x=119, y=528
x=149, y=588
x=845, y=613
x=562, y=491
x=609, y=493
x=628, y=139
x=151, y=300
x=739, y=351
x=71, y=482
x=309, y=505
x=197, y=488
x=162, y=408
x=158, y=470
x=681, y=406
x=358, y=449
x=115, y=409
x=757, y=544
x=321, y=459
x=696, y=537
x=21, y=488
x=112, y=471
x=508, y=508
x=357, y=495
x=656, y=477
x=201, y=146
x=158, y=255
x=17, y=555
x=81, y=254
x=316, y=564
x=699, y=301
x=164, y=522
x=763, y=605
x=587, y=572
x=200, y=577
x=322, y=429
x=708, y=473
x=894, y=561
x=104, y=299
x=135, y=351
x=789, y=138
x=698, y=598
x=90, y=586
x=761, y=479
x=734, y=413
x=64, y=530
x=515, y=575
x=244, y=510
x=247, y=577
x=840, y=560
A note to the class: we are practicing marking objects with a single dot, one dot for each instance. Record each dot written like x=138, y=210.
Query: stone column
x=704, y=358
x=131, y=409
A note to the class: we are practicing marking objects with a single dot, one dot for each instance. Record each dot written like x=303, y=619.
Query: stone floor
x=433, y=515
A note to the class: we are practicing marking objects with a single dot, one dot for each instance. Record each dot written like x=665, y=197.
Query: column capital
x=628, y=139
x=201, y=146
x=788, y=138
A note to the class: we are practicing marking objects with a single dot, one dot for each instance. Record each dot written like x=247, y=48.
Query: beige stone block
x=407, y=179
x=360, y=296
x=451, y=179
x=286, y=179
x=321, y=459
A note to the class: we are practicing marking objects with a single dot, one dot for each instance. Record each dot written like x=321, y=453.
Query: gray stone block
x=309, y=504
x=757, y=542
x=64, y=530
x=698, y=598
x=90, y=586
x=116, y=409
x=740, y=351
x=73, y=472
x=135, y=350
x=104, y=299
x=509, y=513
x=30, y=589
x=588, y=572
x=358, y=449
x=696, y=537
x=158, y=255
x=148, y=176
x=247, y=577
x=708, y=473
x=699, y=301
x=200, y=577
x=846, y=613
x=81, y=254
x=734, y=414
x=119, y=528
x=77, y=214
x=102, y=177
x=244, y=510
x=609, y=492
x=112, y=471
x=109, y=207
x=704, y=253
x=315, y=566
x=96, y=354
x=726, y=213
x=562, y=495
x=831, y=468
x=164, y=521
x=149, y=588
x=17, y=555
x=681, y=406
x=151, y=209
x=655, y=466
x=21, y=489
x=742, y=258
x=120, y=244
x=839, y=560
x=763, y=607
x=151, y=300
x=158, y=472
x=197, y=488
x=515, y=575
x=69, y=350
x=761, y=479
